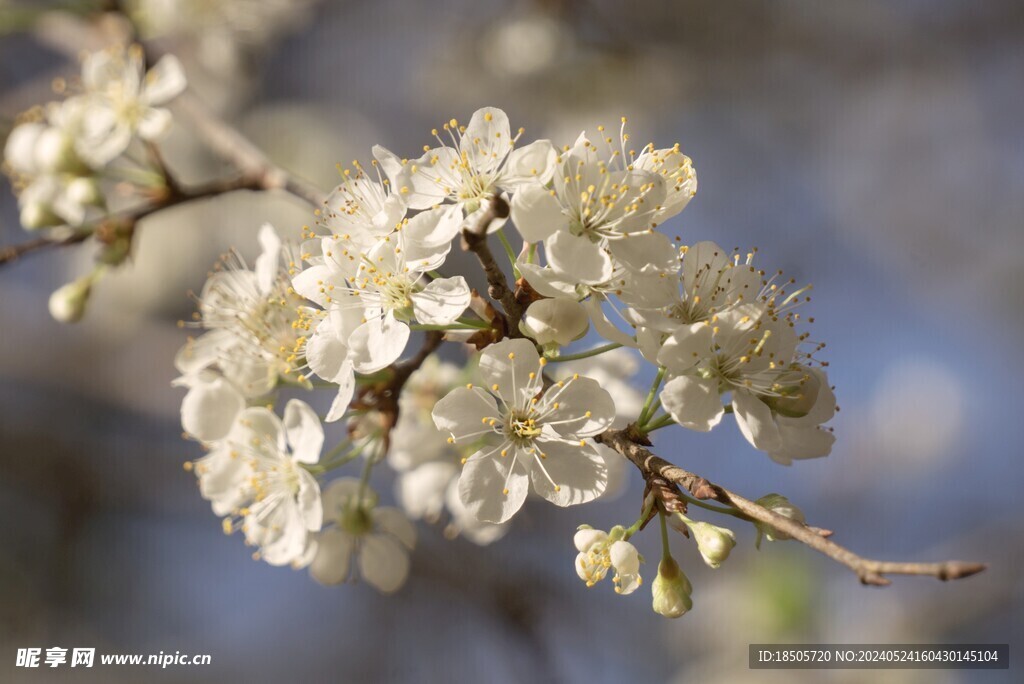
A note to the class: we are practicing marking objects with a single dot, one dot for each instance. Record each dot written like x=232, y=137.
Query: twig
x=124, y=223
x=630, y=443
x=474, y=239
x=240, y=152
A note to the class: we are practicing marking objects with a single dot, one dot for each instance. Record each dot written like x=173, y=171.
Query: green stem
x=635, y=527
x=364, y=479
x=665, y=553
x=661, y=421
x=435, y=275
x=646, y=410
x=583, y=355
x=509, y=251
x=709, y=507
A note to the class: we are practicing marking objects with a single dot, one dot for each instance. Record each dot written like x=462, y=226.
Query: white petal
x=536, y=214
x=646, y=253
x=442, y=301
x=304, y=431
x=801, y=443
x=308, y=500
x=394, y=522
x=209, y=409
x=546, y=280
x=310, y=282
x=507, y=366
x=587, y=538
x=383, y=562
x=463, y=411
x=327, y=353
x=483, y=489
x=693, y=402
x=267, y=261
x=378, y=343
x=577, y=473
x=578, y=257
x=422, y=490
x=154, y=123
x=756, y=421
x=560, y=320
x=533, y=163
x=346, y=380
x=165, y=80
x=435, y=227
x=333, y=556
x=576, y=398
x=604, y=327
x=487, y=139
x=686, y=347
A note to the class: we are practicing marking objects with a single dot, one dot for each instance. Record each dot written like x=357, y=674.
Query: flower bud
x=85, y=190
x=781, y=505
x=715, y=543
x=556, y=321
x=19, y=151
x=55, y=152
x=67, y=304
x=37, y=214
x=671, y=590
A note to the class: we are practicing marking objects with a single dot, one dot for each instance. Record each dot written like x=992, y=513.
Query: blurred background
x=874, y=148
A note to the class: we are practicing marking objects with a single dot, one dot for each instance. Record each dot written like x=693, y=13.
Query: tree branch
x=631, y=443
x=123, y=224
x=474, y=240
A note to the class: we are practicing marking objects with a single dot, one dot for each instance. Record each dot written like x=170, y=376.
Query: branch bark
x=632, y=443
x=474, y=240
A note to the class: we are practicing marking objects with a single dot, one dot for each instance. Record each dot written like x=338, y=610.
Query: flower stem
x=509, y=251
x=661, y=421
x=665, y=553
x=635, y=527
x=645, y=412
x=585, y=354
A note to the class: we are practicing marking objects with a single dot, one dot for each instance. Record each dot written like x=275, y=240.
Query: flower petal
x=378, y=343
x=584, y=407
x=578, y=257
x=304, y=431
x=506, y=367
x=568, y=474
x=686, y=347
x=693, y=402
x=442, y=301
x=333, y=556
x=394, y=522
x=209, y=409
x=463, y=412
x=537, y=214
x=383, y=562
x=493, y=488
x=756, y=421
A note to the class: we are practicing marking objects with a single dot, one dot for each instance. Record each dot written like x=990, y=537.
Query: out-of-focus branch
x=123, y=224
x=474, y=239
x=229, y=144
x=632, y=443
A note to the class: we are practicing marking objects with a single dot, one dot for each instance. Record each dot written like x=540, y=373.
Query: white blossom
x=555, y=322
x=255, y=477
x=388, y=285
x=600, y=552
x=536, y=436
x=378, y=539
x=257, y=328
x=124, y=100
x=471, y=164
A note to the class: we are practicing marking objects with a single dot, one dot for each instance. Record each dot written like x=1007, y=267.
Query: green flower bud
x=715, y=543
x=36, y=214
x=671, y=590
x=85, y=190
x=67, y=304
x=782, y=506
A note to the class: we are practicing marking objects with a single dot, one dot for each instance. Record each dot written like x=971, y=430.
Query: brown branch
x=631, y=442
x=474, y=239
x=123, y=224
